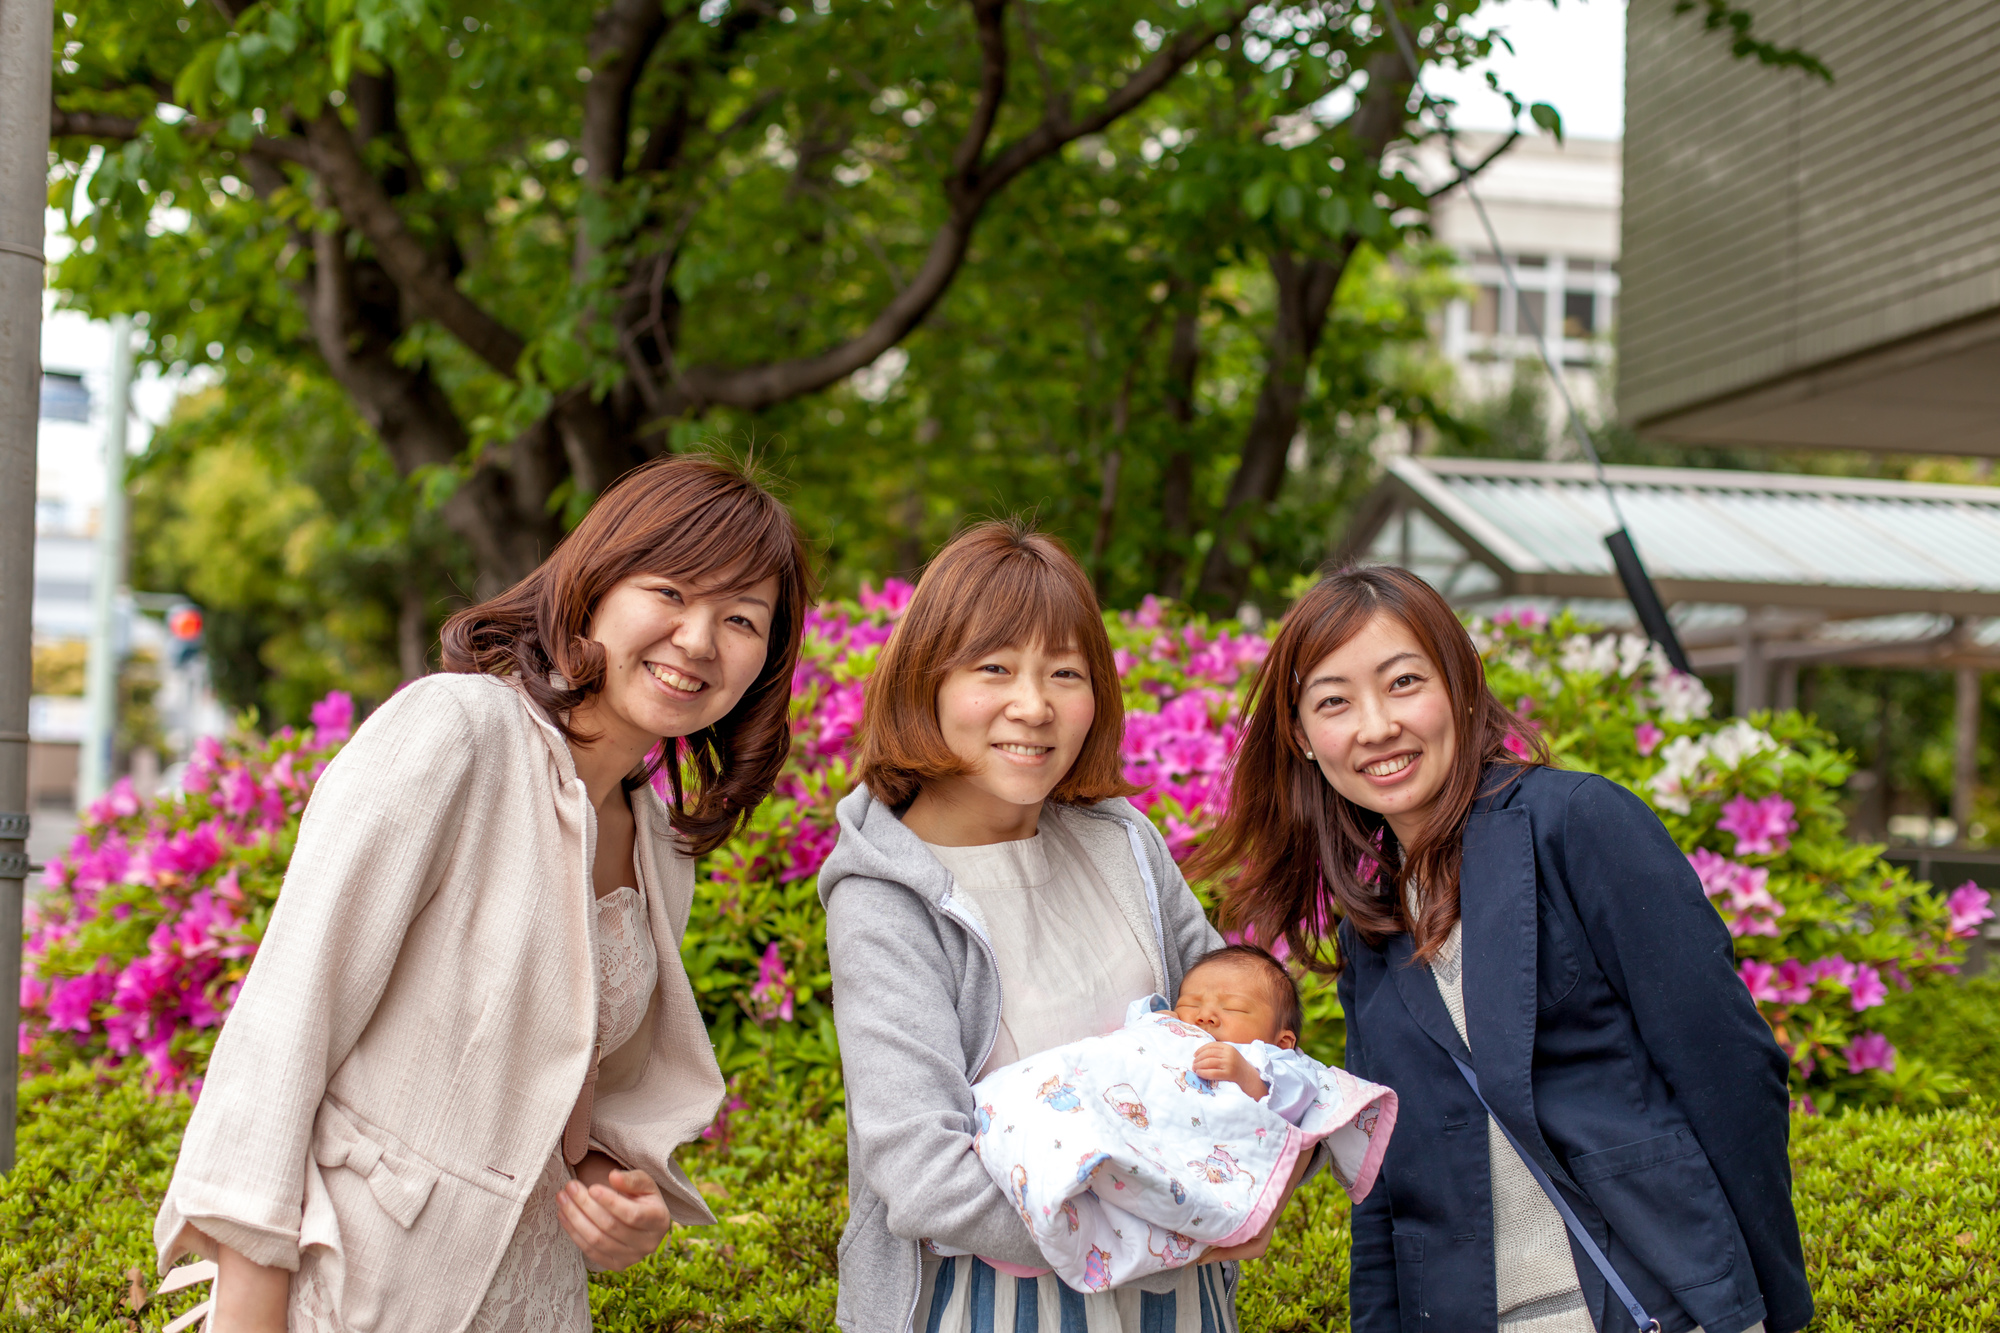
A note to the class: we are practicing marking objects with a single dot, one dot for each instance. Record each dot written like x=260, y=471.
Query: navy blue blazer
x=1611, y=1034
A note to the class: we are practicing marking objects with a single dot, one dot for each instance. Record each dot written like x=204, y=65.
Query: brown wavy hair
x=1296, y=856
x=995, y=585
x=689, y=517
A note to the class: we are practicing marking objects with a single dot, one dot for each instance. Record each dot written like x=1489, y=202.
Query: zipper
x=993, y=959
x=1152, y=899
x=972, y=927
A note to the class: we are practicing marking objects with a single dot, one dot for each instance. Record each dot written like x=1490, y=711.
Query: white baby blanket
x=1123, y=1161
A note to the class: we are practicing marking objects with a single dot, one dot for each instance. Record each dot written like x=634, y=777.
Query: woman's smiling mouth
x=675, y=681
x=1022, y=750
x=1391, y=766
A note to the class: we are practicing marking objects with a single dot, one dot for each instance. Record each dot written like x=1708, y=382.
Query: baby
x=1248, y=1002
x=1126, y=1154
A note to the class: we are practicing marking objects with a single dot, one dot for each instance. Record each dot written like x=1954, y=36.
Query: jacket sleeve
x=371, y=849
x=1371, y=1282
x=909, y=1104
x=1667, y=953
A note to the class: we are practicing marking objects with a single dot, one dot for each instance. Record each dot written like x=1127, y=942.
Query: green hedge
x=1899, y=1210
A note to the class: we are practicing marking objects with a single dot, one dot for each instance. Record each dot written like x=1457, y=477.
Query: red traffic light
x=184, y=623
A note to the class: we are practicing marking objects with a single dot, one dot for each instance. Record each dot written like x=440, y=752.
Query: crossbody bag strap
x=1645, y=1322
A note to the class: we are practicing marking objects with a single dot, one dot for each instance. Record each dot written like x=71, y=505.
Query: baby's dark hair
x=1283, y=991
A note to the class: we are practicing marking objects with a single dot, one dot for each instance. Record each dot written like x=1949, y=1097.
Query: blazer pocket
x=1409, y=1280
x=1660, y=1196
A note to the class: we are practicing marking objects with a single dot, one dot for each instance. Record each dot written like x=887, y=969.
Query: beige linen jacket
x=418, y=1021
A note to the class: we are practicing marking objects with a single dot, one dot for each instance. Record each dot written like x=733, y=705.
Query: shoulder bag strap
x=1645, y=1322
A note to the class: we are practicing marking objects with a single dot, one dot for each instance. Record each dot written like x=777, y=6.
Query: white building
x=1555, y=208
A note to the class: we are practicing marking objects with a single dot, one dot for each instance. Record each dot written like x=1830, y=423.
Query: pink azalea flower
x=1759, y=977
x=1870, y=1050
x=892, y=601
x=1151, y=612
x=1648, y=737
x=1516, y=746
x=1762, y=827
x=120, y=802
x=1969, y=905
x=333, y=718
x=1867, y=989
x=772, y=995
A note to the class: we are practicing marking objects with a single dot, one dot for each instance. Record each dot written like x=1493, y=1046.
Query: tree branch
x=99, y=125
x=969, y=189
x=422, y=275
x=1467, y=173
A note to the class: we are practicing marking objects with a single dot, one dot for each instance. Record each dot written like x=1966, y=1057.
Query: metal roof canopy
x=1843, y=547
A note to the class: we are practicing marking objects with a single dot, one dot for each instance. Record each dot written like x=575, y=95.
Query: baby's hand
x=1219, y=1062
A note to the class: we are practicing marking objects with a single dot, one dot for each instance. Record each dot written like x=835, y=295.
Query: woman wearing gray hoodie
x=992, y=895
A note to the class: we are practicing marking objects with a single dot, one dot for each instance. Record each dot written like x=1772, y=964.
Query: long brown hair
x=690, y=518
x=1301, y=856
x=996, y=584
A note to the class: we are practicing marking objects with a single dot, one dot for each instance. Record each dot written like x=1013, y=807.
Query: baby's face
x=1233, y=1002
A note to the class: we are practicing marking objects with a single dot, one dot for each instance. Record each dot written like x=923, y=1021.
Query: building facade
x=1555, y=208
x=1811, y=264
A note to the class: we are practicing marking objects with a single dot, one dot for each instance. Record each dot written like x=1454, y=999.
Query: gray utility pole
x=101, y=675
x=26, y=31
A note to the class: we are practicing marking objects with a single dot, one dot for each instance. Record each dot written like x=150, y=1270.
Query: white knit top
x=1532, y=1264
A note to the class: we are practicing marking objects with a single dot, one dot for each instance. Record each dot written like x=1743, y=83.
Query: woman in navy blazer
x=1546, y=921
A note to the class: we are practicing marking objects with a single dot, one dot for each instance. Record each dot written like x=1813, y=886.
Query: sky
x=1570, y=54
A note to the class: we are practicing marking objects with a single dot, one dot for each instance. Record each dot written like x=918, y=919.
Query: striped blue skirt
x=966, y=1295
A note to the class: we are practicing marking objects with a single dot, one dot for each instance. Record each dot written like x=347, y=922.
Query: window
x=1579, y=314
x=1528, y=316
x=64, y=397
x=1531, y=261
x=1486, y=311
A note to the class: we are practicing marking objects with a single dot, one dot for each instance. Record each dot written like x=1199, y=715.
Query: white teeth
x=669, y=676
x=1389, y=767
x=1029, y=750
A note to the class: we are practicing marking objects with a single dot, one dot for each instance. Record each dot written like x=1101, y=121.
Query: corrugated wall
x=1773, y=222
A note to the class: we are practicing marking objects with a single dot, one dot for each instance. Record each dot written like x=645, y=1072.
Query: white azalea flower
x=1680, y=697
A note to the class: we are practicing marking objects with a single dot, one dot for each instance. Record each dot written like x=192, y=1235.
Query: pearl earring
x=1309, y=754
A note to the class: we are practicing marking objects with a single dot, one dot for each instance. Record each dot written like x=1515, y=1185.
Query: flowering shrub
x=1827, y=933
x=146, y=926
x=144, y=930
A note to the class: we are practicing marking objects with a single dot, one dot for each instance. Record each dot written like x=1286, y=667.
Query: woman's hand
x=249, y=1298
x=1255, y=1247
x=1219, y=1062
x=615, y=1217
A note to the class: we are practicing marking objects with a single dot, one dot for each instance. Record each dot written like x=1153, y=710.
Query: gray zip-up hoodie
x=916, y=999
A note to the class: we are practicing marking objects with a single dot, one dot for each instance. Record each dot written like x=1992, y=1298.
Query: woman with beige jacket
x=466, y=1052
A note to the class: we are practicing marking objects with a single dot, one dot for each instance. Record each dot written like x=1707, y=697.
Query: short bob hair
x=688, y=517
x=1303, y=857
x=997, y=585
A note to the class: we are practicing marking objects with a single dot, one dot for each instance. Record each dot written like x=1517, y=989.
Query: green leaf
x=283, y=30
x=1548, y=118
x=229, y=70
x=1257, y=198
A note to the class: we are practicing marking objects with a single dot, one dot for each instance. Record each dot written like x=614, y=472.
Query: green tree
x=270, y=504
x=516, y=235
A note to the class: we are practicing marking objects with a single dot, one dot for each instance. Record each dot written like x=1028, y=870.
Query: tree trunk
x=1170, y=557
x=1305, y=295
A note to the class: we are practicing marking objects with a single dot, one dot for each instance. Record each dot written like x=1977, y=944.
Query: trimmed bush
x=1899, y=1211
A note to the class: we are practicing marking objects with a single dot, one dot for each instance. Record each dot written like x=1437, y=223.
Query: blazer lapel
x=1420, y=996
x=1496, y=903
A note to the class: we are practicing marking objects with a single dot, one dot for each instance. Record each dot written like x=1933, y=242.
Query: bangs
x=1022, y=602
x=729, y=543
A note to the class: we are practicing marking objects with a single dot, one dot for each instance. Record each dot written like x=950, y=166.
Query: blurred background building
x=1810, y=264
